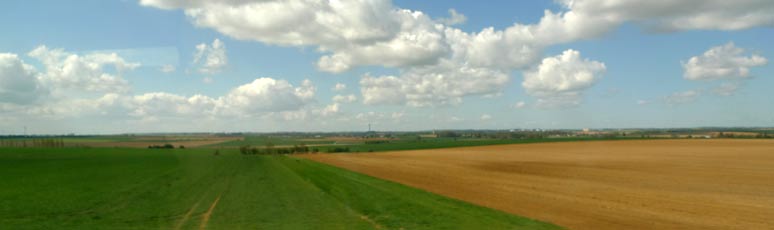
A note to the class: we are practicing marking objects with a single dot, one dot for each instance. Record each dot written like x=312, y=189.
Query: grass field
x=119, y=141
x=93, y=188
x=641, y=184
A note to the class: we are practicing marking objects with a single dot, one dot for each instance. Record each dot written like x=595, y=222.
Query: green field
x=71, y=188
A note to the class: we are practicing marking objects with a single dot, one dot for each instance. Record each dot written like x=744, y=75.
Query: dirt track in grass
x=648, y=184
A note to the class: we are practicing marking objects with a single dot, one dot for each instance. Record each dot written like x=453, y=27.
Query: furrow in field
x=206, y=216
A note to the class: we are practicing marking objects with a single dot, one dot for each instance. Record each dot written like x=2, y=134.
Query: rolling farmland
x=642, y=184
x=123, y=188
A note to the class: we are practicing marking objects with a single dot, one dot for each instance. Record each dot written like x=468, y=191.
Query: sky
x=122, y=66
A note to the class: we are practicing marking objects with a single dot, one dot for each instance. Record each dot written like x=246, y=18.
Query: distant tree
x=269, y=148
x=165, y=146
x=245, y=149
x=338, y=150
x=181, y=146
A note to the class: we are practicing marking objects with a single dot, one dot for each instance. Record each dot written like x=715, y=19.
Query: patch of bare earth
x=185, y=218
x=650, y=184
x=206, y=216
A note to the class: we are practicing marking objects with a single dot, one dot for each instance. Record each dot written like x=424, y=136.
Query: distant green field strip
x=106, y=188
x=399, y=144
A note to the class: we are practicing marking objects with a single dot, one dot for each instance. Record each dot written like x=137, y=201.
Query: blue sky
x=593, y=66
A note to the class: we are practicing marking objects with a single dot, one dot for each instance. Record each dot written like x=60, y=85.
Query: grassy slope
x=395, y=206
x=145, y=189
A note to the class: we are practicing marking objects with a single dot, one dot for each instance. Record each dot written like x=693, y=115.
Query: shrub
x=377, y=142
x=165, y=146
x=338, y=150
x=245, y=149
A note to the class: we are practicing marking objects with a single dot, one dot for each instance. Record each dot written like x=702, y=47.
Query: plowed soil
x=650, y=184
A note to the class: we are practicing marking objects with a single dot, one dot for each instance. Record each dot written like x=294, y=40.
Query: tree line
x=270, y=149
x=165, y=146
x=35, y=143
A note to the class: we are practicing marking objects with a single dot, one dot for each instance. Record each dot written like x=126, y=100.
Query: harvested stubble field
x=644, y=184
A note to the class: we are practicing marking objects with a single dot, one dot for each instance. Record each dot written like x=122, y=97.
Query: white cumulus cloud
x=259, y=98
x=721, y=62
x=266, y=95
x=165, y=104
x=19, y=82
x=679, y=15
x=437, y=85
x=561, y=80
x=210, y=59
x=88, y=72
x=351, y=33
x=454, y=18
